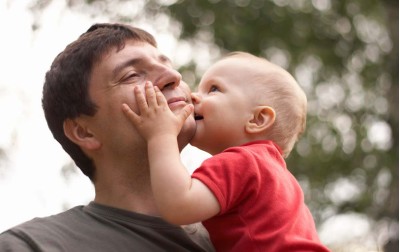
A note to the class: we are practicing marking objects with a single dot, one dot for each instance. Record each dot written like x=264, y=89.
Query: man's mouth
x=176, y=99
x=176, y=102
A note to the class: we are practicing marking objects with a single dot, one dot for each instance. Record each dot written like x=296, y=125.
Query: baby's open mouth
x=198, y=117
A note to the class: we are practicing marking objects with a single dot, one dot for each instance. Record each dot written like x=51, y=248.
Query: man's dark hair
x=65, y=91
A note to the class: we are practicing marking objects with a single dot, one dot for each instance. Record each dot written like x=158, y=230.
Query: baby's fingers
x=185, y=112
x=132, y=116
x=151, y=96
x=161, y=101
x=140, y=100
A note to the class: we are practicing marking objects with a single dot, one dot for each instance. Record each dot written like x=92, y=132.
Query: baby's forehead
x=252, y=63
x=253, y=67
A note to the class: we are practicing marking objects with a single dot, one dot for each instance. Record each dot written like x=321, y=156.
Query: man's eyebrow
x=125, y=64
x=165, y=59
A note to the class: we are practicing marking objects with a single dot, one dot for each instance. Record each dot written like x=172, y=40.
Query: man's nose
x=167, y=78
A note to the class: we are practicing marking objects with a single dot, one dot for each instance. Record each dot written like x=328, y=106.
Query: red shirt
x=262, y=204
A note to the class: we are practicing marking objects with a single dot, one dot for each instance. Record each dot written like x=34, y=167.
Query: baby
x=249, y=114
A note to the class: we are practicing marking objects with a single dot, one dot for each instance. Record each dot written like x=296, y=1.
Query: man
x=82, y=97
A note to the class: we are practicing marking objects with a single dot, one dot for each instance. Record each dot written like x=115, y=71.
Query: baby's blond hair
x=279, y=90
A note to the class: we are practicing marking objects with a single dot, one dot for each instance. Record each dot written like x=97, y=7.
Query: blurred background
x=344, y=54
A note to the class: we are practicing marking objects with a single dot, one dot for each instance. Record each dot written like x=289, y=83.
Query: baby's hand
x=155, y=117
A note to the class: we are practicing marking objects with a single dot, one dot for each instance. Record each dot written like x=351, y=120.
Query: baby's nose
x=195, y=98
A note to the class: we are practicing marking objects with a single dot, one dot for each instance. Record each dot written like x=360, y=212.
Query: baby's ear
x=75, y=130
x=263, y=118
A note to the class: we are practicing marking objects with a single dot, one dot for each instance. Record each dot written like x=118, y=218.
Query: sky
x=31, y=181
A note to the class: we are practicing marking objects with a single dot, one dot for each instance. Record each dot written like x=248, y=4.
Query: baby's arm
x=180, y=199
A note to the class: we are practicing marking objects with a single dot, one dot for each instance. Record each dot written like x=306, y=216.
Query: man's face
x=112, y=82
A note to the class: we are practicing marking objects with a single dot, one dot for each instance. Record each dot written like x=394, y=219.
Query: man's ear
x=263, y=118
x=80, y=135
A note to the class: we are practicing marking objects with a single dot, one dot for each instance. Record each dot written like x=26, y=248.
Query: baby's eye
x=213, y=88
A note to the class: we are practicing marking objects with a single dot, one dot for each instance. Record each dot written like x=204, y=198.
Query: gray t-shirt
x=101, y=228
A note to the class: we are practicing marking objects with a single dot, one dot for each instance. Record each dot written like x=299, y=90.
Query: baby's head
x=244, y=98
x=275, y=87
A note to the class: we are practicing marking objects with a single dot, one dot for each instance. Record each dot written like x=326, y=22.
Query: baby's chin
x=196, y=142
x=204, y=145
x=187, y=132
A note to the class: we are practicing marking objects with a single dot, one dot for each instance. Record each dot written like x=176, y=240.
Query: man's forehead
x=136, y=49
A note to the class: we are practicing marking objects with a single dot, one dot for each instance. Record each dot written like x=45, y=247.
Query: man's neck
x=128, y=189
x=134, y=202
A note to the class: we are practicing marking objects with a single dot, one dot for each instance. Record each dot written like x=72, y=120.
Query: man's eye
x=133, y=77
x=130, y=76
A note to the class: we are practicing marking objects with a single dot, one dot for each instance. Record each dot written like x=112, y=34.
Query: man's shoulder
x=32, y=234
x=48, y=222
x=98, y=228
